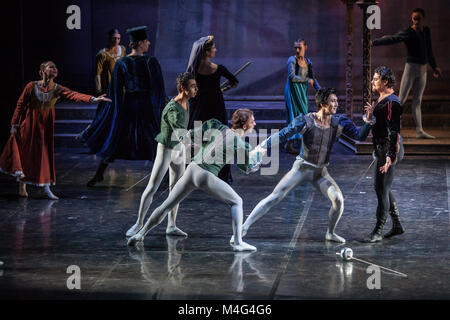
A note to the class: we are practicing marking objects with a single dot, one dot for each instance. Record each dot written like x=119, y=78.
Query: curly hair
x=322, y=96
x=240, y=118
x=419, y=10
x=183, y=80
x=386, y=73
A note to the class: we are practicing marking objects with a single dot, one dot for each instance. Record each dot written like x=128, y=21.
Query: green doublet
x=173, y=120
x=213, y=154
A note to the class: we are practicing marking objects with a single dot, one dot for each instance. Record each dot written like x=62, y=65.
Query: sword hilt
x=226, y=85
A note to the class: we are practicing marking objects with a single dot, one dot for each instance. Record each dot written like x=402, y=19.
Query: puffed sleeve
x=176, y=122
x=99, y=62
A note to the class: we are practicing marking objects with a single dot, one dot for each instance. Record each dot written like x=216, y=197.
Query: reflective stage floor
x=41, y=239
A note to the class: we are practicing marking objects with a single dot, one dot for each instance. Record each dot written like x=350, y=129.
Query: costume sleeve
x=242, y=147
x=400, y=36
x=99, y=61
x=430, y=54
x=73, y=95
x=176, y=123
x=316, y=84
x=291, y=71
x=116, y=85
x=158, y=85
x=124, y=51
x=227, y=74
x=296, y=126
x=350, y=130
x=22, y=104
x=393, y=113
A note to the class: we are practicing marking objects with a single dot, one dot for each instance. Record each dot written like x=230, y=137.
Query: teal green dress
x=296, y=90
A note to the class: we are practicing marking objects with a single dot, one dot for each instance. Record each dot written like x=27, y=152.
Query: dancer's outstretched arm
x=349, y=128
x=296, y=126
x=400, y=36
x=255, y=156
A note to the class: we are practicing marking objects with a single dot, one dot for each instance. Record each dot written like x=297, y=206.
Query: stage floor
x=40, y=239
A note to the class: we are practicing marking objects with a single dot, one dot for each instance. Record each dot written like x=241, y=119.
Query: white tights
x=301, y=173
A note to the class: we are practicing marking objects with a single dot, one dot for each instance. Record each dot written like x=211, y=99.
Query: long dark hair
x=112, y=32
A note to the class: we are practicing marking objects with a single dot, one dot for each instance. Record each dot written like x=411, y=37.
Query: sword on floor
x=362, y=176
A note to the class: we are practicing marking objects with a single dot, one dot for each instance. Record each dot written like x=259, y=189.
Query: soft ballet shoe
x=334, y=237
x=133, y=230
x=175, y=231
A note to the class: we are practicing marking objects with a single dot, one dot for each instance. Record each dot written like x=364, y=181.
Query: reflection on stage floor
x=40, y=239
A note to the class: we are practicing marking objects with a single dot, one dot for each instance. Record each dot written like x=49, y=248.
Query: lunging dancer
x=319, y=131
x=202, y=173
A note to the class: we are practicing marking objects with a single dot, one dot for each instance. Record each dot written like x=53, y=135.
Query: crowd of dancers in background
x=135, y=120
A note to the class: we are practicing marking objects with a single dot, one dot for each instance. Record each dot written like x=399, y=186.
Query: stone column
x=367, y=72
x=349, y=65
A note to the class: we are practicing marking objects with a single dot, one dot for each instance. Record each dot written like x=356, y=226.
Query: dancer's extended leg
x=222, y=191
x=293, y=178
x=181, y=190
x=416, y=104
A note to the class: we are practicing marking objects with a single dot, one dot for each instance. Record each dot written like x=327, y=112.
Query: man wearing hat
x=128, y=125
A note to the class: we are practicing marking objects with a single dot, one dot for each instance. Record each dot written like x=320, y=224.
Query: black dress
x=209, y=104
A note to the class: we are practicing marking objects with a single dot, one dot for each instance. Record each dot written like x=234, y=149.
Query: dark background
x=260, y=31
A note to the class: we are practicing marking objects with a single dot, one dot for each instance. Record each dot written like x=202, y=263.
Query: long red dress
x=29, y=154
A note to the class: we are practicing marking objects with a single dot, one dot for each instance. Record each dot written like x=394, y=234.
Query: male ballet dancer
x=417, y=39
x=319, y=131
x=170, y=152
x=202, y=172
